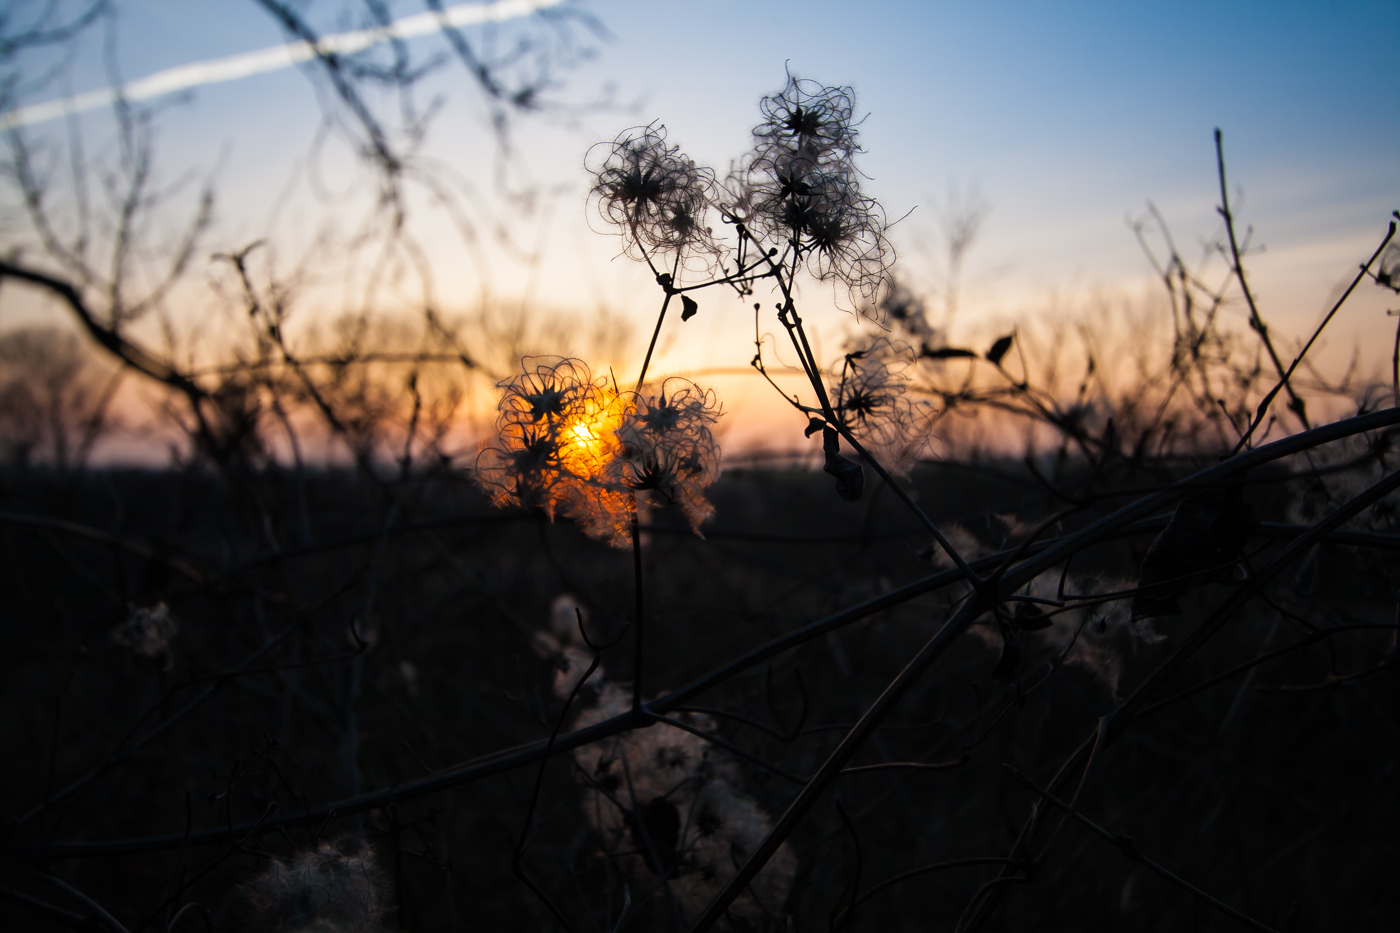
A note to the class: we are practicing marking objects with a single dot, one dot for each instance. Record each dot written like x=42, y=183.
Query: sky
x=1066, y=118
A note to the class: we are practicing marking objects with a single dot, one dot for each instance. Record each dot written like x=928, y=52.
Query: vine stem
x=670, y=286
x=517, y=859
x=1295, y=404
x=1317, y=332
x=1115, y=721
x=640, y=596
x=646, y=363
x=792, y=321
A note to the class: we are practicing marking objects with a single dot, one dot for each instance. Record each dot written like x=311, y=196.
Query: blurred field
x=1265, y=799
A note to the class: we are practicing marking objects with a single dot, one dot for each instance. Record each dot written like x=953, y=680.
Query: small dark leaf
x=831, y=441
x=945, y=353
x=850, y=478
x=1029, y=617
x=688, y=307
x=656, y=832
x=1200, y=544
x=1291, y=921
x=813, y=426
x=1388, y=270
x=1008, y=667
x=1126, y=843
x=999, y=349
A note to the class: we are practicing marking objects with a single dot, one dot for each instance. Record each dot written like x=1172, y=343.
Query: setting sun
x=587, y=432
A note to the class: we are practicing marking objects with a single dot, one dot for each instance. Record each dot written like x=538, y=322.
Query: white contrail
x=272, y=59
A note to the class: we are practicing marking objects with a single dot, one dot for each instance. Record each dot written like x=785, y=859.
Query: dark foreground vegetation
x=341, y=667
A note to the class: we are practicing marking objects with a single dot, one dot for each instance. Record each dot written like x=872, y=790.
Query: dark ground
x=1280, y=803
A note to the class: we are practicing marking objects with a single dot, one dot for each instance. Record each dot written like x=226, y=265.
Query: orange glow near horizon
x=588, y=436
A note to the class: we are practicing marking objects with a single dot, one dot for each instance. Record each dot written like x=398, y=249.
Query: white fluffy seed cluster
x=574, y=446
x=147, y=632
x=797, y=187
x=870, y=396
x=336, y=887
x=1097, y=638
x=664, y=802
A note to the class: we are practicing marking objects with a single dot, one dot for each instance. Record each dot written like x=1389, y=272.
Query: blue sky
x=1067, y=117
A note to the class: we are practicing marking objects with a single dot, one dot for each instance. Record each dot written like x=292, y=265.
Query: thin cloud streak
x=246, y=64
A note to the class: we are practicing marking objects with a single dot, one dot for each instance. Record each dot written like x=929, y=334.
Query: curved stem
x=640, y=596
x=516, y=860
x=797, y=333
x=1295, y=404
x=646, y=363
x=1317, y=332
x=665, y=303
x=792, y=322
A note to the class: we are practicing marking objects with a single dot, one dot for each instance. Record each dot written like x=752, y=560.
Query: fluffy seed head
x=665, y=802
x=658, y=198
x=336, y=886
x=551, y=425
x=805, y=189
x=870, y=395
x=579, y=448
x=808, y=121
x=665, y=446
x=147, y=632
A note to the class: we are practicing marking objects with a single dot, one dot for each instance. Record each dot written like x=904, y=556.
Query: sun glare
x=587, y=435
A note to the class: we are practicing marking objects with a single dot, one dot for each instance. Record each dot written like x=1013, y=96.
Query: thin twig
x=1127, y=847
x=1295, y=403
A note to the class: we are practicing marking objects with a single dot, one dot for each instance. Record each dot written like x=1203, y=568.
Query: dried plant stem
x=639, y=595
x=838, y=759
x=1317, y=332
x=57, y=914
x=100, y=917
x=1295, y=404
x=1131, y=710
x=1016, y=577
x=1125, y=845
x=516, y=860
x=928, y=869
x=646, y=362
x=792, y=322
x=669, y=285
x=129, y=742
x=1395, y=363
